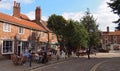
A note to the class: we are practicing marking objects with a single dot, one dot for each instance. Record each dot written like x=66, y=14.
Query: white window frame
x=6, y=27
x=12, y=47
x=21, y=30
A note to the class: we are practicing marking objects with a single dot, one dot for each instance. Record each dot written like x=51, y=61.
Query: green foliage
x=56, y=23
x=92, y=28
x=76, y=35
x=115, y=6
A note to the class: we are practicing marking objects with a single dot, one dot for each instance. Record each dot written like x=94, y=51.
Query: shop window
x=7, y=47
x=25, y=45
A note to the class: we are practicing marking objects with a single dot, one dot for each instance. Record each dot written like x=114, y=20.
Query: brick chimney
x=108, y=29
x=16, y=9
x=38, y=14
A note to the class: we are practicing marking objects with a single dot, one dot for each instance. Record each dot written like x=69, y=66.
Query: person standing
x=58, y=53
x=44, y=55
x=88, y=53
x=29, y=56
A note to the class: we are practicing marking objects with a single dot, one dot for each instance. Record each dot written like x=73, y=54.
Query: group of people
x=42, y=55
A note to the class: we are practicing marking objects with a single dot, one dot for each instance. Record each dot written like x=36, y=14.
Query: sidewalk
x=104, y=55
x=7, y=65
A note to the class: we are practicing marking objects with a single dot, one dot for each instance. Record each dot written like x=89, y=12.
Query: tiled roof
x=117, y=32
x=20, y=22
x=22, y=16
x=44, y=24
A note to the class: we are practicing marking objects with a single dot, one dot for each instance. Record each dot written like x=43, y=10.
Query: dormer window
x=6, y=27
x=21, y=30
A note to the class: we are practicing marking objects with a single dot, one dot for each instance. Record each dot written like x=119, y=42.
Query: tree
x=70, y=34
x=92, y=28
x=75, y=35
x=115, y=5
x=56, y=23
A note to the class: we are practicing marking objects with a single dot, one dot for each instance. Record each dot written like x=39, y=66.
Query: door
x=19, y=48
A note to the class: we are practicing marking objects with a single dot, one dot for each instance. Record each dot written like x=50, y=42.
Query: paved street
x=78, y=64
x=110, y=65
x=101, y=62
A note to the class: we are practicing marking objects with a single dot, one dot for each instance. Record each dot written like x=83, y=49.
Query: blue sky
x=55, y=6
x=70, y=9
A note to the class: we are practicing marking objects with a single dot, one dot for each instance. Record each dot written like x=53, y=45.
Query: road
x=80, y=64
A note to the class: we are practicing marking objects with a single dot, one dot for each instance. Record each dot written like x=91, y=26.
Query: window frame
x=6, y=27
x=19, y=30
x=11, y=46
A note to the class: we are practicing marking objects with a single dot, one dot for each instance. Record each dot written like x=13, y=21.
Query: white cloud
x=4, y=4
x=7, y=4
x=25, y=1
x=31, y=15
x=103, y=14
x=44, y=18
x=74, y=16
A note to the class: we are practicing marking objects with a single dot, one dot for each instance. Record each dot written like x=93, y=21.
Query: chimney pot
x=108, y=29
x=14, y=3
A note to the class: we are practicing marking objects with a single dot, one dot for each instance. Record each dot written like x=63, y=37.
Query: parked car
x=103, y=50
x=116, y=48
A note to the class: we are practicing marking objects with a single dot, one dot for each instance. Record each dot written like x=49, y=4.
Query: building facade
x=18, y=32
x=111, y=40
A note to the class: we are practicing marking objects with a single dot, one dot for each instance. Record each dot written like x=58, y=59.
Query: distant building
x=18, y=32
x=111, y=40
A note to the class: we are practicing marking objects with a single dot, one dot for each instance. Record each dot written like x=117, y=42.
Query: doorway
x=19, y=48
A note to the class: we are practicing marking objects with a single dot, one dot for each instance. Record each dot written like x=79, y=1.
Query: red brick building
x=18, y=32
x=111, y=40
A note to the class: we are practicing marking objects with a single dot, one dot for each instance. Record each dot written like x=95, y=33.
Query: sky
x=69, y=9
